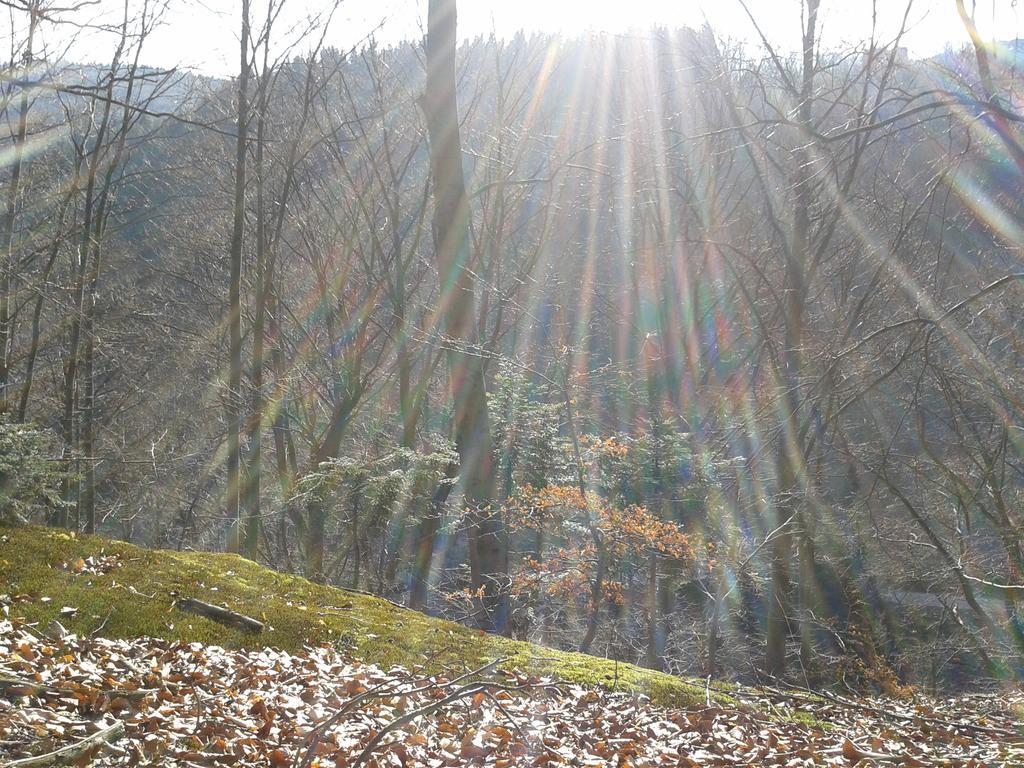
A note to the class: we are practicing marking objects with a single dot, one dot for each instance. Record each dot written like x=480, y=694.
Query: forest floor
x=78, y=672
x=95, y=586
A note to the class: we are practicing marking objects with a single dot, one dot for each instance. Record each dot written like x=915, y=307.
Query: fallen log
x=72, y=753
x=222, y=615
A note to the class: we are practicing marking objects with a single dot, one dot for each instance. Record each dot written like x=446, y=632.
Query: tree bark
x=251, y=497
x=37, y=311
x=488, y=546
x=7, y=225
x=426, y=538
x=221, y=615
x=789, y=504
x=234, y=394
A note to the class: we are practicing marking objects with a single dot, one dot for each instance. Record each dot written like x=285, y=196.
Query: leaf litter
x=190, y=704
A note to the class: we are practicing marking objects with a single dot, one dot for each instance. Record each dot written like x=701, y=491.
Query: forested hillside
x=692, y=354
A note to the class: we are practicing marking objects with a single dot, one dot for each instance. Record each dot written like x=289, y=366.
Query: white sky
x=202, y=34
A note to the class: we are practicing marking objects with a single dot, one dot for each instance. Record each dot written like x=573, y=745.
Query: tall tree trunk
x=406, y=398
x=87, y=503
x=357, y=564
x=426, y=538
x=251, y=501
x=653, y=660
x=593, y=529
x=488, y=545
x=87, y=408
x=313, y=527
x=789, y=506
x=717, y=608
x=234, y=394
x=87, y=384
x=7, y=225
x=312, y=531
x=37, y=311
x=70, y=391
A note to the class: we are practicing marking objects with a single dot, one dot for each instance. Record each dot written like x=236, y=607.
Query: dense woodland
x=682, y=352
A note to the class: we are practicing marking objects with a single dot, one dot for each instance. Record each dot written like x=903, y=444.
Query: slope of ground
x=95, y=586
x=97, y=659
x=160, y=703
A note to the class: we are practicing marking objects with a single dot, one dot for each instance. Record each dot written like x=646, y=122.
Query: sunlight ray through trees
x=677, y=346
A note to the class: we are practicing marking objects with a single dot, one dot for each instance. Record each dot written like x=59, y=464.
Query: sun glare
x=681, y=342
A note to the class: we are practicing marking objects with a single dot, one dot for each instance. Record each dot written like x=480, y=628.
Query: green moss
x=811, y=722
x=136, y=599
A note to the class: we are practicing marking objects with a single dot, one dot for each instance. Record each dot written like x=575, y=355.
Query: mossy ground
x=137, y=599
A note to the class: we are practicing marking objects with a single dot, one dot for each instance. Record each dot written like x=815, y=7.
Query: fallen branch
x=222, y=615
x=806, y=694
x=305, y=755
x=16, y=687
x=470, y=689
x=518, y=728
x=73, y=752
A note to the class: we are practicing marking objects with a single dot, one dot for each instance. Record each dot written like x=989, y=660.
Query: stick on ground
x=222, y=615
x=71, y=753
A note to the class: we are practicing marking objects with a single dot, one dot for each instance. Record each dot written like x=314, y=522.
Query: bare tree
x=488, y=546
